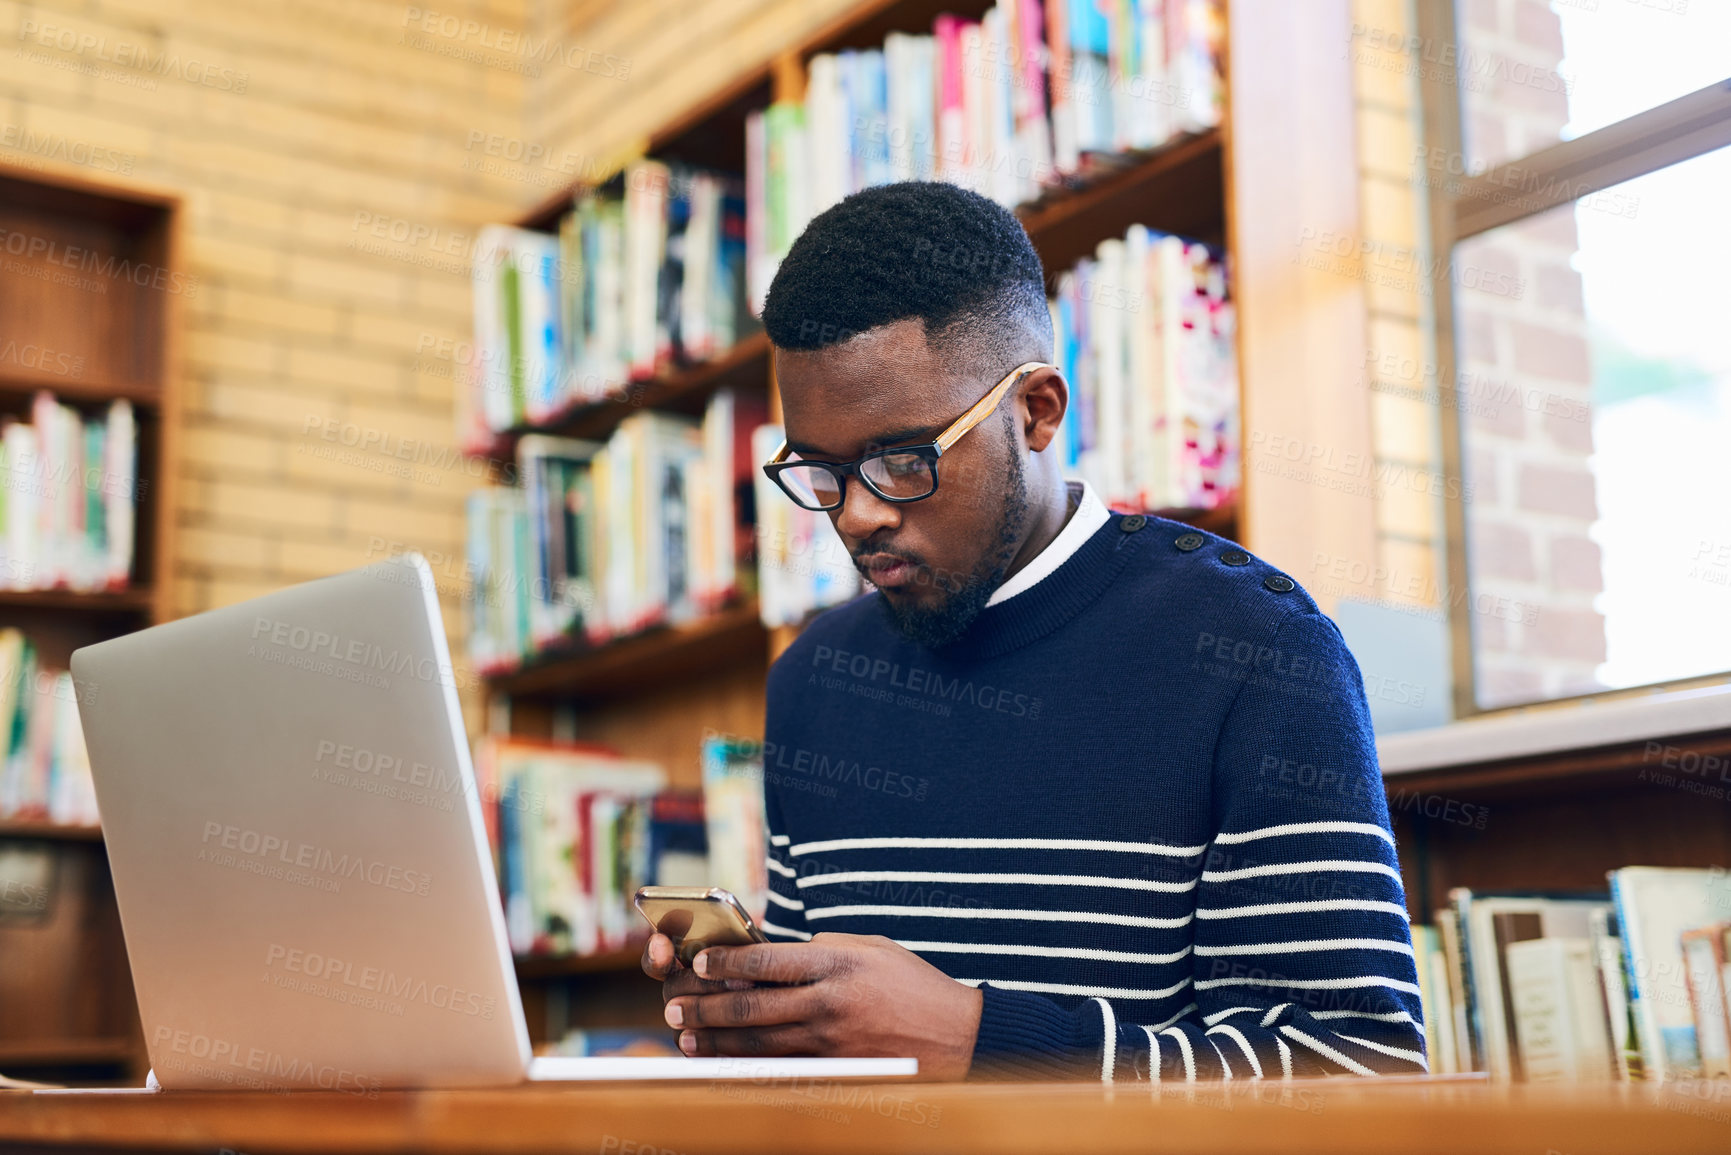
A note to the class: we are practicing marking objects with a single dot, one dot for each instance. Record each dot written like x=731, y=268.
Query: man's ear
x=1044, y=397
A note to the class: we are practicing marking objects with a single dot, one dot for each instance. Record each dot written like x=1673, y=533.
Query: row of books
x=45, y=776
x=603, y=539
x=802, y=565
x=1629, y=985
x=1145, y=334
x=576, y=829
x=1025, y=99
x=67, y=491
x=646, y=272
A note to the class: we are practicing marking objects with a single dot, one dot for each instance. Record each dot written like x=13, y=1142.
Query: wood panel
x=1302, y=330
x=66, y=983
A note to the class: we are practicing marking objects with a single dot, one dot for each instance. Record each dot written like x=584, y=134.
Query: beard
x=937, y=625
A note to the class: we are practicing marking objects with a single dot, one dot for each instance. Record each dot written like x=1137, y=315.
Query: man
x=1104, y=797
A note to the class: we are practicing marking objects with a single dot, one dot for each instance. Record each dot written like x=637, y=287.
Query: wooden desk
x=1328, y=1117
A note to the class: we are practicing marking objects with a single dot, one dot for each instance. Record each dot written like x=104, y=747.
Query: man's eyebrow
x=890, y=437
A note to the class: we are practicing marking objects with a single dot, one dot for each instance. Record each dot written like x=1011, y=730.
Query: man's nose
x=863, y=512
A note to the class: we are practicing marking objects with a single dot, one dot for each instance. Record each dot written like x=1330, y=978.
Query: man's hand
x=661, y=964
x=845, y=994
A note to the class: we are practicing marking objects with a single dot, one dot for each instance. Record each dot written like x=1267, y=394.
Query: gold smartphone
x=695, y=917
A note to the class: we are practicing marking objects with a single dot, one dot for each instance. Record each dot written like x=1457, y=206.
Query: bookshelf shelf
x=745, y=366
x=1178, y=188
x=567, y=966
x=48, y=831
x=14, y=385
x=714, y=642
x=136, y=600
x=66, y=1051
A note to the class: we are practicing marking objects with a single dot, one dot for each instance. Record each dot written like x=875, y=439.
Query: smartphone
x=695, y=917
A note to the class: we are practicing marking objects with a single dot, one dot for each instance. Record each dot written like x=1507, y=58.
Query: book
x=802, y=564
x=1613, y=989
x=1448, y=938
x=607, y=538
x=1144, y=333
x=734, y=818
x=1655, y=906
x=645, y=273
x=968, y=104
x=1557, y=1011
x=1483, y=944
x=68, y=491
x=44, y=766
x=572, y=842
x=1704, y=971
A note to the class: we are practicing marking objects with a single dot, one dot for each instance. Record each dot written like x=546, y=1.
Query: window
x=1578, y=159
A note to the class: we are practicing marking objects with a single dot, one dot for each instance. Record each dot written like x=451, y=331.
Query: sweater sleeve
x=784, y=919
x=1301, y=950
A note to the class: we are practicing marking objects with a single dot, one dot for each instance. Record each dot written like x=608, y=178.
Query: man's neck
x=1057, y=505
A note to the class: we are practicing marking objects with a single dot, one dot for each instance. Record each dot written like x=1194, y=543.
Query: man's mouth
x=886, y=571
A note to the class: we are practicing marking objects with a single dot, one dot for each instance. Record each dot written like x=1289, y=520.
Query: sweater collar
x=1045, y=606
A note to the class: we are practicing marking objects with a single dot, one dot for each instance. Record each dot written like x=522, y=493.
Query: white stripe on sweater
x=789, y=903
x=1153, y=1055
x=1329, y=827
x=1006, y=879
x=1393, y=1052
x=1225, y=1067
x=784, y=871
x=1081, y=991
x=1243, y=1044
x=1017, y=915
x=1274, y=1013
x=1285, y=1058
x=771, y=928
x=1385, y=1017
x=1300, y=946
x=1300, y=908
x=1349, y=983
x=1325, y=1050
x=1081, y=952
x=1210, y=1020
x=1342, y=865
x=1184, y=1049
x=1109, y=1043
x=779, y=840
x=997, y=844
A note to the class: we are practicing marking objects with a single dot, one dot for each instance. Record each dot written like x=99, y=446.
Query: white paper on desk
x=562, y=1069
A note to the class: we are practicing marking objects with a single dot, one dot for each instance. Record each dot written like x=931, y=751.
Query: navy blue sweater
x=1137, y=804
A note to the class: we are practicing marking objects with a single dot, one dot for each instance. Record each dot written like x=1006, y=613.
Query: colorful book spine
x=1144, y=332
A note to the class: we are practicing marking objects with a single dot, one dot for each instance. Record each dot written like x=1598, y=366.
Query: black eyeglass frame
x=930, y=451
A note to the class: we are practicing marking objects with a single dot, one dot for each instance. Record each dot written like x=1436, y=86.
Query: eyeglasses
x=902, y=474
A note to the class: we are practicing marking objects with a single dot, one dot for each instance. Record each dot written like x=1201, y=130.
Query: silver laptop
x=297, y=843
x=298, y=852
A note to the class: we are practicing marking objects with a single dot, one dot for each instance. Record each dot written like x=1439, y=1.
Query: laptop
x=298, y=852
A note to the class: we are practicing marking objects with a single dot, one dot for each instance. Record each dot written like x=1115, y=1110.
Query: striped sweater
x=1137, y=804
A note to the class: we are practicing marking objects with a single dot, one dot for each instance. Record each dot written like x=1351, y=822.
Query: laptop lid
x=297, y=844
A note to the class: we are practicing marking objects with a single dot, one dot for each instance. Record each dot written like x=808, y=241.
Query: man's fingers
x=777, y=962
x=657, y=956
x=752, y=1007
x=750, y=1042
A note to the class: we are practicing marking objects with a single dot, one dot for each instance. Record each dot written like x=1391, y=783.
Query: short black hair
x=956, y=260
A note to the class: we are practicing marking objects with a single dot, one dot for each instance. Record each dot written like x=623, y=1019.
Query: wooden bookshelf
x=631, y=664
x=66, y=999
x=22, y=828
x=652, y=695
x=568, y=965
